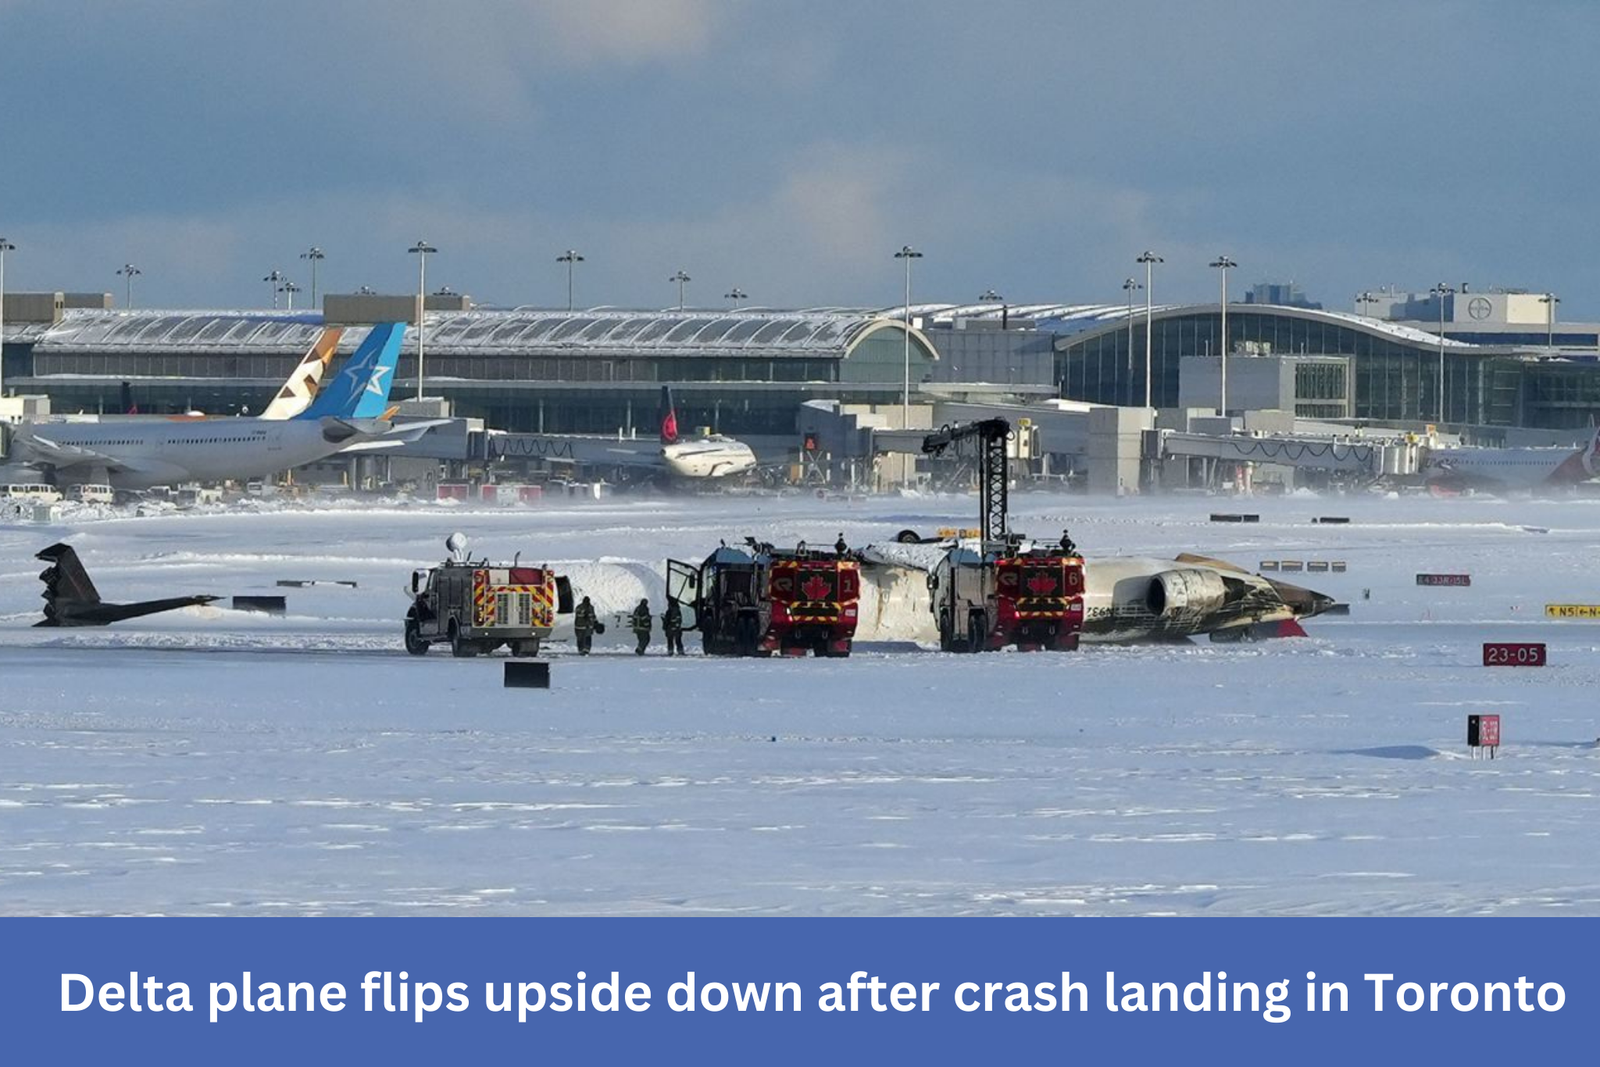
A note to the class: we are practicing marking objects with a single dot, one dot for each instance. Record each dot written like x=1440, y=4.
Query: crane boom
x=991, y=435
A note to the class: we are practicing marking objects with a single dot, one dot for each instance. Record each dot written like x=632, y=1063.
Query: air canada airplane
x=710, y=455
x=137, y=454
x=1512, y=468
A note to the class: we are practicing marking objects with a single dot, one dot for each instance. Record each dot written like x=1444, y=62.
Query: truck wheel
x=459, y=647
x=414, y=642
x=977, y=632
x=528, y=648
x=908, y=537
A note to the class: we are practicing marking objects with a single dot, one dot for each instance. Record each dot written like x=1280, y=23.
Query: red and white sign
x=1489, y=731
x=1513, y=654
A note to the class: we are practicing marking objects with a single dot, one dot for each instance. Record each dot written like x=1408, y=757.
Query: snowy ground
x=215, y=762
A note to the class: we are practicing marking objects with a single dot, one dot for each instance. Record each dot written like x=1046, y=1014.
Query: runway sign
x=1444, y=579
x=1513, y=654
x=526, y=675
x=1483, y=731
x=1572, y=611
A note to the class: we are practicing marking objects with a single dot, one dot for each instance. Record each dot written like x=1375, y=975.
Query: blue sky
x=789, y=148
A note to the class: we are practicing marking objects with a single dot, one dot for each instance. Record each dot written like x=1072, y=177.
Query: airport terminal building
x=746, y=372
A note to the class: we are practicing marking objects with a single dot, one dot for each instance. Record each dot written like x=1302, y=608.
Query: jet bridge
x=1374, y=458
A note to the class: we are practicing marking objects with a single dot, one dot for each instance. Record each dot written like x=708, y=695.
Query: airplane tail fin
x=1591, y=455
x=669, y=417
x=302, y=386
x=65, y=579
x=361, y=390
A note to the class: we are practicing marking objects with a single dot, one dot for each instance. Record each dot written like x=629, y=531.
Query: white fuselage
x=1512, y=468
x=714, y=456
x=137, y=454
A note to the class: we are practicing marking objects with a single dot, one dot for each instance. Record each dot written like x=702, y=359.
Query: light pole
x=1149, y=259
x=5, y=246
x=569, y=257
x=422, y=249
x=1439, y=292
x=1365, y=300
x=907, y=253
x=736, y=294
x=275, y=279
x=1129, y=285
x=1550, y=300
x=315, y=255
x=289, y=289
x=129, y=271
x=1222, y=263
x=989, y=296
x=680, y=277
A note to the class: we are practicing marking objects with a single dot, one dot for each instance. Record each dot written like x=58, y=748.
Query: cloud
x=602, y=31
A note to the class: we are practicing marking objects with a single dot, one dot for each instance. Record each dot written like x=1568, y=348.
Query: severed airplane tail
x=70, y=598
x=669, y=417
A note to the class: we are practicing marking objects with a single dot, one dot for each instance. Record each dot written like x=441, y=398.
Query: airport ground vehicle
x=478, y=606
x=999, y=589
x=757, y=600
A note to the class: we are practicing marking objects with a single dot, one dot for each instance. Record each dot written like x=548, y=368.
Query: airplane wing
x=394, y=436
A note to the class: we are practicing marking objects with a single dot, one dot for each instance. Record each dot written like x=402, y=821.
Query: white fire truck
x=477, y=606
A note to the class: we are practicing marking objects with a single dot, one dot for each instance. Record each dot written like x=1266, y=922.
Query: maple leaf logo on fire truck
x=1042, y=584
x=816, y=587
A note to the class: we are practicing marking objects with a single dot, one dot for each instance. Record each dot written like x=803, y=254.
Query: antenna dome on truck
x=456, y=543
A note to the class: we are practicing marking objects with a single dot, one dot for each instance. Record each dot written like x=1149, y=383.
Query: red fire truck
x=998, y=589
x=757, y=600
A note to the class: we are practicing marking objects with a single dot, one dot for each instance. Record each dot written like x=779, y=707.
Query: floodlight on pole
x=680, y=277
x=1222, y=263
x=1550, y=300
x=736, y=294
x=289, y=289
x=1439, y=292
x=274, y=279
x=569, y=257
x=5, y=246
x=1129, y=286
x=129, y=272
x=1365, y=300
x=422, y=250
x=907, y=253
x=1149, y=259
x=315, y=255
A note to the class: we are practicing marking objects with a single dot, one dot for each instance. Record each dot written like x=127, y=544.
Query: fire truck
x=477, y=606
x=757, y=600
x=999, y=589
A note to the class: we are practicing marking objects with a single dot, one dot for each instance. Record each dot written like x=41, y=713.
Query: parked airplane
x=70, y=598
x=1127, y=599
x=1512, y=468
x=136, y=454
x=711, y=455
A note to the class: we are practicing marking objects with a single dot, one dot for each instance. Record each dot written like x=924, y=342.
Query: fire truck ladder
x=991, y=435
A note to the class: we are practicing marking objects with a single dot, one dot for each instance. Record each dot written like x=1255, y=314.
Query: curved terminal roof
x=1099, y=317
x=819, y=331
x=823, y=332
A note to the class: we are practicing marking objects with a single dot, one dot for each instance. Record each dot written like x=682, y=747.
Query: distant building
x=1283, y=294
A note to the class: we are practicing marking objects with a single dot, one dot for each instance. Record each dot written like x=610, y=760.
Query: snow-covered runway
x=213, y=762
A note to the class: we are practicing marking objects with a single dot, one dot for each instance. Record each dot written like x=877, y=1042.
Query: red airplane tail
x=669, y=417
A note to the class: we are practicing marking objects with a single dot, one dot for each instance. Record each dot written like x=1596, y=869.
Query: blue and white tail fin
x=361, y=389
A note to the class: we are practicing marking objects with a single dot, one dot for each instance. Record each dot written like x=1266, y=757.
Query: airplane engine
x=1185, y=592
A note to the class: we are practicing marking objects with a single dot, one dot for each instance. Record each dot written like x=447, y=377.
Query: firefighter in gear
x=583, y=625
x=672, y=625
x=1068, y=548
x=642, y=624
